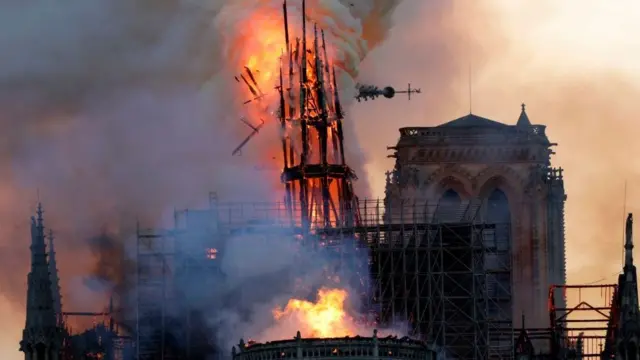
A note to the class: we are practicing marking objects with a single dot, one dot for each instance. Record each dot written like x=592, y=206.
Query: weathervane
x=366, y=92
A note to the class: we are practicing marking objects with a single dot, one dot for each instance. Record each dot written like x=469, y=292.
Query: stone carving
x=474, y=154
x=448, y=170
x=492, y=171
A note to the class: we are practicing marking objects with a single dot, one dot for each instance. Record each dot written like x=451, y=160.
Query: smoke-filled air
x=116, y=112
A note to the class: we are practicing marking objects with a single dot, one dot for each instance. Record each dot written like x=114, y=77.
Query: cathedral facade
x=504, y=174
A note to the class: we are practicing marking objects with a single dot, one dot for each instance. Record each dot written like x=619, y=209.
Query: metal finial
x=628, y=246
x=523, y=107
x=40, y=212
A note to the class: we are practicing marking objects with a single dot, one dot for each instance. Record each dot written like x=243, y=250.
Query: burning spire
x=317, y=180
x=315, y=173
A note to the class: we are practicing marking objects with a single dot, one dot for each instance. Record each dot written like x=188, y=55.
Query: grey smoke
x=115, y=112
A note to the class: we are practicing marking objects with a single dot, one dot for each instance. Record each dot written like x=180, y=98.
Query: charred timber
x=315, y=173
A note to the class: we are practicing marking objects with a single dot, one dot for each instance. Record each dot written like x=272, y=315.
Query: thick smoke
x=578, y=80
x=280, y=269
x=117, y=111
x=113, y=109
x=352, y=30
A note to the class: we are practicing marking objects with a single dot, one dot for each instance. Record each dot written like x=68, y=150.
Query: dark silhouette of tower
x=42, y=336
x=55, y=280
x=625, y=316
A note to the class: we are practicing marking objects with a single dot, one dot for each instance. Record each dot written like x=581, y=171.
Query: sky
x=573, y=62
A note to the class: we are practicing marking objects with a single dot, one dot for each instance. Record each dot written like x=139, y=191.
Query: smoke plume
x=115, y=112
x=119, y=110
x=489, y=57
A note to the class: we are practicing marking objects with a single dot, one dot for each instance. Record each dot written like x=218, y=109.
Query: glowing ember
x=259, y=52
x=323, y=319
x=212, y=253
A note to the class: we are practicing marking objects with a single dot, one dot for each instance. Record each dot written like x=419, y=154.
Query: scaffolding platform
x=449, y=281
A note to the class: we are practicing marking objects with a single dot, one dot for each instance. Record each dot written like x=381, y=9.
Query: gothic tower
x=42, y=335
x=473, y=169
x=55, y=280
x=628, y=331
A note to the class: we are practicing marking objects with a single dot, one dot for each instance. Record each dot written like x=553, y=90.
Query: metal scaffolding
x=449, y=276
x=154, y=261
x=581, y=324
x=449, y=281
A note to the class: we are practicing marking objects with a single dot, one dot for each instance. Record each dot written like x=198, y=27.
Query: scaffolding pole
x=450, y=281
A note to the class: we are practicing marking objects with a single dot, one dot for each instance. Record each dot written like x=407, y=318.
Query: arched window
x=449, y=207
x=497, y=208
x=498, y=242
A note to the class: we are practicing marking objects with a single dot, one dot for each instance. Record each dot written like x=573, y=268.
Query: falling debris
x=255, y=130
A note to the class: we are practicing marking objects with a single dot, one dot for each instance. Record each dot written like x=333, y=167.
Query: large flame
x=253, y=31
x=255, y=42
x=324, y=318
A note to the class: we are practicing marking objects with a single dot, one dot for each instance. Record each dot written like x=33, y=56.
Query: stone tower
x=42, y=336
x=499, y=173
x=628, y=330
x=55, y=280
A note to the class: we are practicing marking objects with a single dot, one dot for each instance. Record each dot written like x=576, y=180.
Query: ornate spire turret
x=628, y=243
x=628, y=337
x=523, y=120
x=55, y=279
x=41, y=337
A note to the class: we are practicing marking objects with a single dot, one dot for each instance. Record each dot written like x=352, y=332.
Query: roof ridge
x=472, y=120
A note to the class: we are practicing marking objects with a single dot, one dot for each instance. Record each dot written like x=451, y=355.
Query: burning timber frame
x=315, y=174
x=438, y=277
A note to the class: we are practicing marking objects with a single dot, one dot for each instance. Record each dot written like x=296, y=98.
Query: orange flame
x=323, y=319
x=260, y=52
x=262, y=49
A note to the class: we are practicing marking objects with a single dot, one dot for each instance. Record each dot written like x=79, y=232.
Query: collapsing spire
x=318, y=182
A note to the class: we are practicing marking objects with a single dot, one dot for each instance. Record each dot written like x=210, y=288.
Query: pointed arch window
x=497, y=208
x=449, y=207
